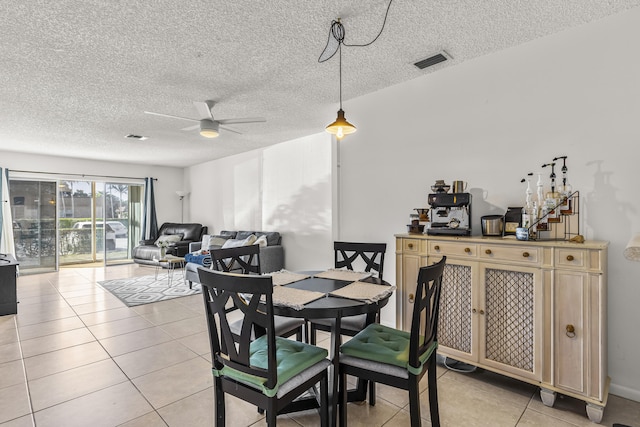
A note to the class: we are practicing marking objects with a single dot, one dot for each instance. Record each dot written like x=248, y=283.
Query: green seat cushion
x=385, y=345
x=292, y=358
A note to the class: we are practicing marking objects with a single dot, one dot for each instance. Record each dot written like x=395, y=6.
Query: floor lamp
x=181, y=194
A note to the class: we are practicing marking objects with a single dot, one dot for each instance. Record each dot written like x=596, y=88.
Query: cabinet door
x=578, y=333
x=409, y=279
x=509, y=313
x=455, y=321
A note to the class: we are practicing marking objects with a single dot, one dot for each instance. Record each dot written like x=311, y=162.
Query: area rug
x=147, y=289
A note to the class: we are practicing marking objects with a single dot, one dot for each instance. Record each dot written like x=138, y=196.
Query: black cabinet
x=8, y=296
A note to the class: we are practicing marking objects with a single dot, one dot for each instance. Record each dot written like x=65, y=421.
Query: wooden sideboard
x=531, y=310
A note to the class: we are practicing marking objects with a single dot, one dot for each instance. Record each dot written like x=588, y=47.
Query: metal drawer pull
x=473, y=310
x=410, y=245
x=488, y=252
x=412, y=298
x=570, y=258
x=481, y=311
x=467, y=250
x=525, y=254
x=436, y=247
x=571, y=331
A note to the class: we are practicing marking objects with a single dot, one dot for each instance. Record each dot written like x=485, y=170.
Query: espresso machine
x=450, y=214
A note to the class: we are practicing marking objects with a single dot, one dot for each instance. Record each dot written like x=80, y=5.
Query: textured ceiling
x=77, y=75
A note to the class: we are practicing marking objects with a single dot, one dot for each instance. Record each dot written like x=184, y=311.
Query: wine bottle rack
x=563, y=226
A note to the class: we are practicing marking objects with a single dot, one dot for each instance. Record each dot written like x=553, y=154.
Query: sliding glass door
x=33, y=208
x=78, y=233
x=118, y=214
x=70, y=222
x=94, y=221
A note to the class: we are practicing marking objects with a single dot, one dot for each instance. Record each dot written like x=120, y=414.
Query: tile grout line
x=24, y=373
x=24, y=368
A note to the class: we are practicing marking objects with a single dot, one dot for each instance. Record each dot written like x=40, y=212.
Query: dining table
x=330, y=294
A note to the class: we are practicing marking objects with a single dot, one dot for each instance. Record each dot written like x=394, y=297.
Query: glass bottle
x=566, y=208
x=552, y=197
x=544, y=218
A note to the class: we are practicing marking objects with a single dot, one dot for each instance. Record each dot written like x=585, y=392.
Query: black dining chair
x=398, y=358
x=268, y=371
x=242, y=259
x=348, y=254
x=246, y=260
x=351, y=255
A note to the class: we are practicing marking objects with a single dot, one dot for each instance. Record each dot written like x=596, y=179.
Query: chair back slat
x=243, y=259
x=370, y=254
x=424, y=322
x=252, y=295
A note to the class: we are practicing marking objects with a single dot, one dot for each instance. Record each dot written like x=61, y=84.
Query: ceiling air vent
x=432, y=60
x=138, y=137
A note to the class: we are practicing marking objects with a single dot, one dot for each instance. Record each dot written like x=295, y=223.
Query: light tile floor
x=76, y=356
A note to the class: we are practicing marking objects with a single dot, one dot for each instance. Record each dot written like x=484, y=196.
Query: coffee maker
x=450, y=214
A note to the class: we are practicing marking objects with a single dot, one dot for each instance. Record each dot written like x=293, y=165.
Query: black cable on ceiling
x=337, y=34
x=376, y=37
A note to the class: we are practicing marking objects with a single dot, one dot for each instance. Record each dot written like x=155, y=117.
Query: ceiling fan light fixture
x=341, y=126
x=209, y=129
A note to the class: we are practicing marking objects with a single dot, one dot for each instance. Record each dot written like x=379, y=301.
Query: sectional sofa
x=271, y=255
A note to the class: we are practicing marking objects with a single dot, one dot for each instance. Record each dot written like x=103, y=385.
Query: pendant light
x=341, y=126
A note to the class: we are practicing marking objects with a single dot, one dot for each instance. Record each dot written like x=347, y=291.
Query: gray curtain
x=149, y=220
x=7, y=245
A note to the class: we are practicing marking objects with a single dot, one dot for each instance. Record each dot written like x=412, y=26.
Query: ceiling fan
x=210, y=127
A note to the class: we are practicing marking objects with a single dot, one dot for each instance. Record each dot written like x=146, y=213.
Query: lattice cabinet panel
x=509, y=318
x=454, y=325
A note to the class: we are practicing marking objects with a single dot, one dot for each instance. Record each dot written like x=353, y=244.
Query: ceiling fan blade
x=244, y=120
x=228, y=129
x=170, y=116
x=204, y=109
x=190, y=128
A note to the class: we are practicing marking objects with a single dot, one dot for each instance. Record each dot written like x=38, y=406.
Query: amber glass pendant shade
x=341, y=126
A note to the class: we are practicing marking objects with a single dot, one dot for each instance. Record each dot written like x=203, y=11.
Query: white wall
x=169, y=179
x=285, y=188
x=492, y=120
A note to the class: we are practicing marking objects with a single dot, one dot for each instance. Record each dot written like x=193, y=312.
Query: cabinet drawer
x=569, y=257
x=525, y=254
x=411, y=245
x=456, y=249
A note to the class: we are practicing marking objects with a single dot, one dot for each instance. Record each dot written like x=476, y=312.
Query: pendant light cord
x=340, y=57
x=381, y=29
x=337, y=33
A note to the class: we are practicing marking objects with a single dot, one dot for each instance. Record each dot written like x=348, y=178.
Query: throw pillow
x=243, y=234
x=233, y=243
x=262, y=241
x=273, y=237
x=216, y=242
x=206, y=238
x=168, y=239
